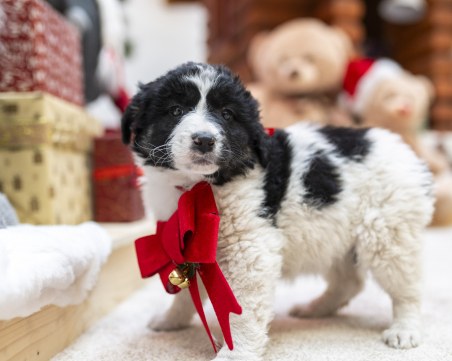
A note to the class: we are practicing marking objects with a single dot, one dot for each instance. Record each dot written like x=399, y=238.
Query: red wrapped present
x=39, y=50
x=117, y=194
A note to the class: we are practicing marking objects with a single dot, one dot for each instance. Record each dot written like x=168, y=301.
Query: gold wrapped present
x=44, y=157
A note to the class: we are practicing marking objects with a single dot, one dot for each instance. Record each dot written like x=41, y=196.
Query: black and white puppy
x=333, y=201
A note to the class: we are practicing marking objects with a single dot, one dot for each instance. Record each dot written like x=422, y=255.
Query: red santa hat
x=361, y=76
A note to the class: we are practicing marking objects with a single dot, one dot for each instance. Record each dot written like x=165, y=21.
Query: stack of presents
x=57, y=164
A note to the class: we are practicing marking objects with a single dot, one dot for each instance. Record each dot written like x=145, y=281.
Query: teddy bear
x=299, y=67
x=381, y=93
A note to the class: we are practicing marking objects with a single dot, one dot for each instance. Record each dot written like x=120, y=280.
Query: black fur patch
x=245, y=139
x=277, y=173
x=321, y=181
x=349, y=142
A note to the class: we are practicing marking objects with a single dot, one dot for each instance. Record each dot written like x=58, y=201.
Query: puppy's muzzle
x=203, y=142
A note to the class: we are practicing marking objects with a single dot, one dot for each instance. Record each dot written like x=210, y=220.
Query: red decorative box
x=117, y=194
x=39, y=51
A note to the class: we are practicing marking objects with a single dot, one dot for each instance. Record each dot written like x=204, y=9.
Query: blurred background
x=164, y=34
x=415, y=33
x=384, y=63
x=161, y=35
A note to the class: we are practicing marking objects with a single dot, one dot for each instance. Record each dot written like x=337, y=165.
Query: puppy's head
x=198, y=119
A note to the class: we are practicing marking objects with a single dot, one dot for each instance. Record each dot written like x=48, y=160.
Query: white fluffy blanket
x=43, y=265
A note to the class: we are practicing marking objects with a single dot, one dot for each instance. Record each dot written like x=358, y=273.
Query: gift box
x=117, y=194
x=40, y=50
x=45, y=146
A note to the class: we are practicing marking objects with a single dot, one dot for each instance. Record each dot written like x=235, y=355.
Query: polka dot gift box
x=45, y=146
x=39, y=50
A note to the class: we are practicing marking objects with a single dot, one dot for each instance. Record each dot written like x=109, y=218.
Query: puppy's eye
x=176, y=111
x=226, y=114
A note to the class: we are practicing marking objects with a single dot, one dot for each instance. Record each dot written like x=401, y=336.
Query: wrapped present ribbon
x=119, y=171
x=185, y=246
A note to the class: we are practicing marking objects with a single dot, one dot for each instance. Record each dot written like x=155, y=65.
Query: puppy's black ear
x=262, y=148
x=262, y=143
x=129, y=117
x=134, y=111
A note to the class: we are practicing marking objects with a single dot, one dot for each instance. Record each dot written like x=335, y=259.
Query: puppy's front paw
x=164, y=323
x=402, y=337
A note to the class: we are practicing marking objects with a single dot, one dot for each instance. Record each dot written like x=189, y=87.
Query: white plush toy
x=380, y=93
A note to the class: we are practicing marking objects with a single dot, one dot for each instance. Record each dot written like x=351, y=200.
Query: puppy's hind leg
x=345, y=279
x=400, y=276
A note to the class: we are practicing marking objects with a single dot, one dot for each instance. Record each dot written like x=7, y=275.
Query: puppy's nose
x=203, y=141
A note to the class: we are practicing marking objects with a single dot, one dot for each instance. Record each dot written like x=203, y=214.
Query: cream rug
x=354, y=334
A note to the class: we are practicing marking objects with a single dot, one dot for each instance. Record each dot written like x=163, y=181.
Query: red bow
x=191, y=236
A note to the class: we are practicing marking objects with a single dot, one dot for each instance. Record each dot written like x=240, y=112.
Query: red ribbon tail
x=221, y=297
x=194, y=292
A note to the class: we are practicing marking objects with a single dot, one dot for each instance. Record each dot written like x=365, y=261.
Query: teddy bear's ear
x=343, y=42
x=257, y=49
x=427, y=84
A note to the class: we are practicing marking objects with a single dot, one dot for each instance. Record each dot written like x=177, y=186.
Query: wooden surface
x=425, y=48
x=47, y=332
x=233, y=23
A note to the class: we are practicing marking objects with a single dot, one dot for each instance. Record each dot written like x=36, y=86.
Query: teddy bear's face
x=296, y=71
x=399, y=103
x=308, y=70
x=302, y=57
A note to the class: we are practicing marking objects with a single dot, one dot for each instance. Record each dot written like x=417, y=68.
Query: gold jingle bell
x=184, y=284
x=178, y=278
